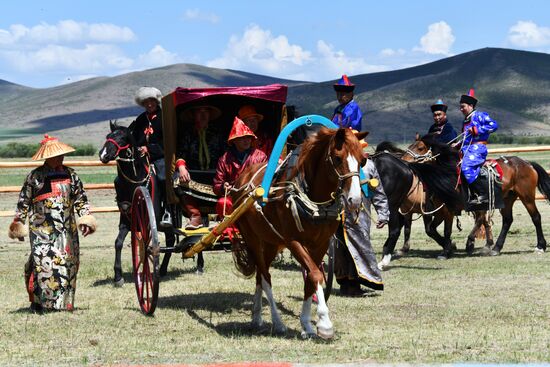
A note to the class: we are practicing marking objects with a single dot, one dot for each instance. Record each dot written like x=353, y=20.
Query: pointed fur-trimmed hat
x=344, y=85
x=51, y=147
x=469, y=98
x=239, y=130
x=145, y=93
x=439, y=106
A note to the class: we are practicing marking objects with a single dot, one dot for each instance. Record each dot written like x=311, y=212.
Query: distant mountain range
x=513, y=86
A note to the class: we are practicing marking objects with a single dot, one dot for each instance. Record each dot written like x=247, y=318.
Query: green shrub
x=26, y=150
x=525, y=140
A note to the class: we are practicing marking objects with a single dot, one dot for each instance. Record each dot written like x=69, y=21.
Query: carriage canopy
x=268, y=100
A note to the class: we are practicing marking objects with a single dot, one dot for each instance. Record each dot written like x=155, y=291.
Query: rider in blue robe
x=441, y=128
x=347, y=114
x=477, y=127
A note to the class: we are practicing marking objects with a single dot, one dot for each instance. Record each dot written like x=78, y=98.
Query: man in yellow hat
x=252, y=119
x=49, y=198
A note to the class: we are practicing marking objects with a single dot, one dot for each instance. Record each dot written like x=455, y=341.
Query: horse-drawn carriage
x=300, y=212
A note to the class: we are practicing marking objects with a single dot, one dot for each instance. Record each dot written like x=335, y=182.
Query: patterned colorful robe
x=49, y=199
x=474, y=150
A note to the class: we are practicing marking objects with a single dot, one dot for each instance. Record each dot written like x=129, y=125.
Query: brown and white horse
x=327, y=173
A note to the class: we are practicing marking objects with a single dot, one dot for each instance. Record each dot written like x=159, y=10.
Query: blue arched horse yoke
x=280, y=144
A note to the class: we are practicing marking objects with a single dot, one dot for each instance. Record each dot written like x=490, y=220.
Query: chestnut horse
x=520, y=180
x=326, y=174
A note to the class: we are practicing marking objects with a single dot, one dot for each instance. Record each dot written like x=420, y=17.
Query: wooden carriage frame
x=270, y=101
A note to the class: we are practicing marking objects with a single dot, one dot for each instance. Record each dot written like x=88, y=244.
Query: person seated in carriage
x=347, y=113
x=241, y=154
x=252, y=119
x=441, y=128
x=199, y=148
x=477, y=126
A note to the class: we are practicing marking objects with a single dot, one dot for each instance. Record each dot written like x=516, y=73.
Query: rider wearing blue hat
x=441, y=128
x=347, y=114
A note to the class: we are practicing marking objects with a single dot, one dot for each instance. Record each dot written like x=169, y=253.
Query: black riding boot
x=478, y=192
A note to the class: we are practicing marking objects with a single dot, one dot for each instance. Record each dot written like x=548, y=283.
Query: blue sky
x=48, y=43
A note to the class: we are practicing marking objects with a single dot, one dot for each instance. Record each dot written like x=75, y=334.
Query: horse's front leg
x=257, y=321
x=278, y=325
x=123, y=229
x=325, y=329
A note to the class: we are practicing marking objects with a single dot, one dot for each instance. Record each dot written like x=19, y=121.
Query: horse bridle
x=129, y=158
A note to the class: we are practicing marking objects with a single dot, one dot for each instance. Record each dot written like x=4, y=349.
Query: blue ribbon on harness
x=281, y=142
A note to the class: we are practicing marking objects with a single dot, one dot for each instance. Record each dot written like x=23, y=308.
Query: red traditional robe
x=228, y=170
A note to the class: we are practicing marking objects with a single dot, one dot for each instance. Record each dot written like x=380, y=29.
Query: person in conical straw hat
x=51, y=197
x=242, y=153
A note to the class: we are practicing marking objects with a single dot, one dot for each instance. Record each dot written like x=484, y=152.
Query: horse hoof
x=163, y=271
x=494, y=253
x=485, y=251
x=199, y=271
x=119, y=283
x=400, y=253
x=279, y=330
x=470, y=249
x=442, y=256
x=381, y=266
x=325, y=334
x=540, y=251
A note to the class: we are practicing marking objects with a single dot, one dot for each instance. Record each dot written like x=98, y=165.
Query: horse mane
x=446, y=155
x=388, y=146
x=319, y=143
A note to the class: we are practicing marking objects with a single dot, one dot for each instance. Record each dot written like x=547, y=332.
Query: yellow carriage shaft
x=208, y=239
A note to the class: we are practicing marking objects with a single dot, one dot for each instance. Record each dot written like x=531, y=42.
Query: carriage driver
x=477, y=127
x=443, y=131
x=199, y=148
x=347, y=114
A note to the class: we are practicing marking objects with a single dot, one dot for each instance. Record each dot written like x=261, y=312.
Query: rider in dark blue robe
x=441, y=128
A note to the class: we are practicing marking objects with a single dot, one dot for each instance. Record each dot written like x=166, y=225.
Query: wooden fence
x=110, y=209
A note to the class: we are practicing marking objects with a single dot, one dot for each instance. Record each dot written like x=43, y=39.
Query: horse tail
x=543, y=181
x=243, y=259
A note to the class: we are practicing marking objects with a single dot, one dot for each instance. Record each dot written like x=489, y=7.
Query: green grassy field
x=465, y=309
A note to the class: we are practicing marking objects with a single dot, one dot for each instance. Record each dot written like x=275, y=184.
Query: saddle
x=485, y=193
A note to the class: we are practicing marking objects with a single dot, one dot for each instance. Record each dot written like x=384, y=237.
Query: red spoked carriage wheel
x=145, y=251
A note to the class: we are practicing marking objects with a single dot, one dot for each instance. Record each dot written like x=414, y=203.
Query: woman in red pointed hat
x=241, y=154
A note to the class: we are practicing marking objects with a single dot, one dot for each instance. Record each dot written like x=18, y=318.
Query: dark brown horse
x=520, y=180
x=326, y=174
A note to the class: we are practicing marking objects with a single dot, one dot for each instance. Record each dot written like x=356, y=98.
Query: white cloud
x=438, y=40
x=259, y=51
x=528, y=34
x=337, y=62
x=157, y=57
x=196, y=14
x=65, y=31
x=388, y=52
x=94, y=57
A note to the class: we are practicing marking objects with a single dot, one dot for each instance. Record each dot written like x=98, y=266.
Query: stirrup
x=166, y=221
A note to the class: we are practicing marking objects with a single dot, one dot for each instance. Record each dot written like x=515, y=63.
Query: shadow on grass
x=129, y=278
x=225, y=304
